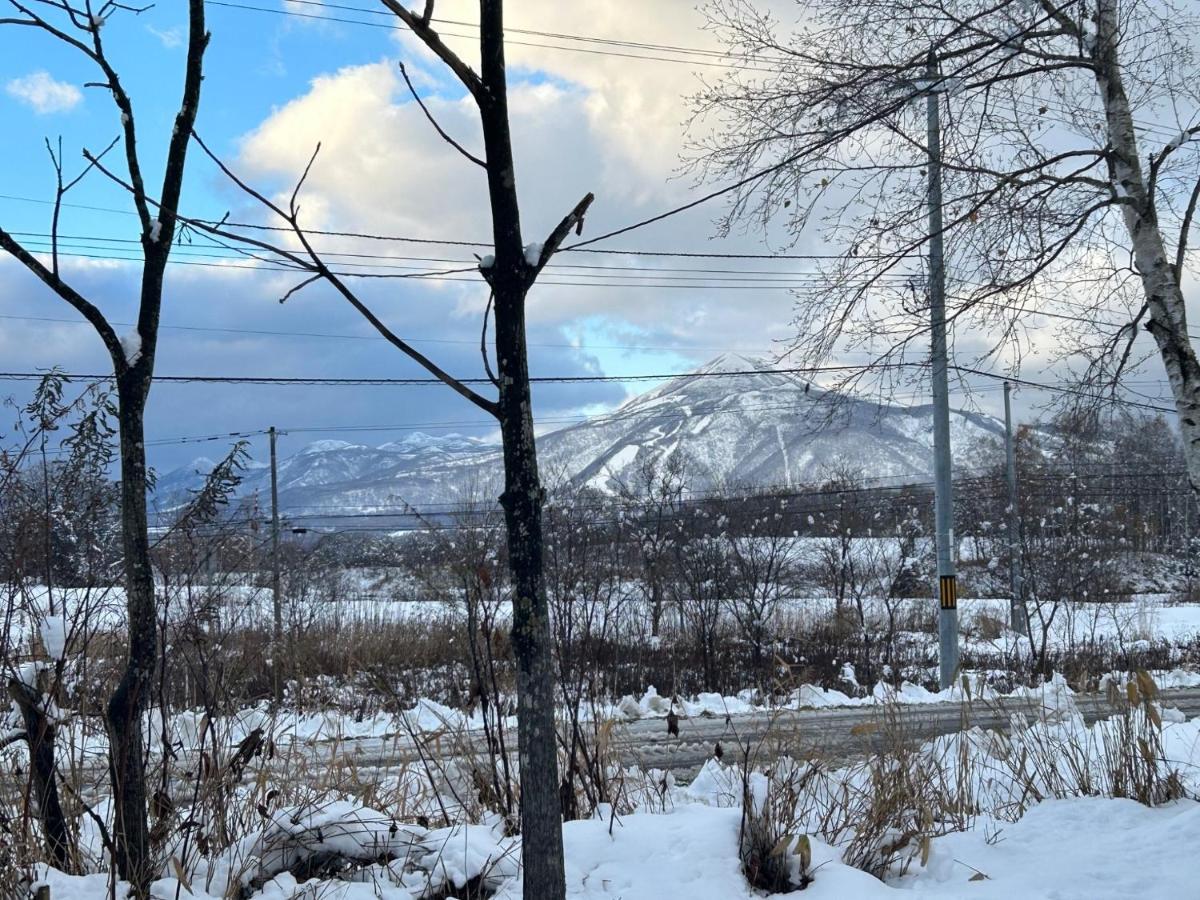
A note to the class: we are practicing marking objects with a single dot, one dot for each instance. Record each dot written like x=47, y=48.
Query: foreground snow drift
x=958, y=817
x=1089, y=849
x=1078, y=849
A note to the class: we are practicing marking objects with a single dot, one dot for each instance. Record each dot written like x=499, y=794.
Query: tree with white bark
x=1071, y=163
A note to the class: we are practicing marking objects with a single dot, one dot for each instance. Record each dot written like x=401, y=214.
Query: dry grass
x=883, y=811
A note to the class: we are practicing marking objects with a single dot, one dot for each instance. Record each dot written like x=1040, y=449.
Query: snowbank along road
x=836, y=734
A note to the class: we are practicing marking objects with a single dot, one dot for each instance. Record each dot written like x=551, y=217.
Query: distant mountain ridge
x=736, y=420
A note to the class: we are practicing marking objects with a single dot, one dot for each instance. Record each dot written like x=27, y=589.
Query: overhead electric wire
x=451, y=242
x=261, y=332
x=739, y=64
x=600, y=277
x=643, y=45
x=311, y=381
x=342, y=20
x=776, y=493
x=430, y=381
x=45, y=237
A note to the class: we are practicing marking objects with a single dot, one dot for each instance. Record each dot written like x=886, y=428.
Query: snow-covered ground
x=1139, y=617
x=1080, y=843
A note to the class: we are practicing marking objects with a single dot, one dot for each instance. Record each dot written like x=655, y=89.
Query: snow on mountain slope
x=761, y=428
x=741, y=426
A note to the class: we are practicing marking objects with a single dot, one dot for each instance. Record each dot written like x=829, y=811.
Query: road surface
x=836, y=733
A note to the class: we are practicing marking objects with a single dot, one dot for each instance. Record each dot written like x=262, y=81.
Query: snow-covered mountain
x=738, y=425
x=762, y=428
x=336, y=477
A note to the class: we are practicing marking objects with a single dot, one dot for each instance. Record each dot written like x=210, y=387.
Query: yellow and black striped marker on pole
x=948, y=591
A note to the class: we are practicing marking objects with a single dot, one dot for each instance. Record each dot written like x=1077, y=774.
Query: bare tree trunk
x=39, y=735
x=133, y=367
x=541, y=804
x=1160, y=281
x=656, y=605
x=129, y=701
x=511, y=272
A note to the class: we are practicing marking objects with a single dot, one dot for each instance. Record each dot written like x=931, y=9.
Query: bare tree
x=587, y=600
x=80, y=25
x=762, y=556
x=698, y=588
x=509, y=272
x=1069, y=161
x=653, y=493
x=55, y=516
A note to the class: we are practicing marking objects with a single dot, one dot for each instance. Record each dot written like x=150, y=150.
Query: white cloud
x=42, y=93
x=168, y=37
x=383, y=169
x=580, y=122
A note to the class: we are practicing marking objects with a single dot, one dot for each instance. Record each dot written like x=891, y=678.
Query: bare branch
x=293, y=206
x=295, y=289
x=420, y=27
x=313, y=262
x=573, y=221
x=61, y=189
x=432, y=121
x=1184, y=229
x=487, y=363
x=85, y=308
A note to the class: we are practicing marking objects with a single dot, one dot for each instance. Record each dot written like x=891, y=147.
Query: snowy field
x=1031, y=814
x=350, y=805
x=1146, y=616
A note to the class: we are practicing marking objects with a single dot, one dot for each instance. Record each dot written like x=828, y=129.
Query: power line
x=375, y=337
x=600, y=275
x=450, y=242
x=897, y=491
x=325, y=4
x=711, y=57
x=452, y=275
x=429, y=381
x=341, y=20
x=580, y=267
x=312, y=381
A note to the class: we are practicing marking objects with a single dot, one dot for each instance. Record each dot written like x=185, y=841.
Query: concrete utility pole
x=276, y=592
x=943, y=491
x=1018, y=619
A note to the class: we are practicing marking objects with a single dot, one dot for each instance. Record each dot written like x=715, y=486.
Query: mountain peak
x=419, y=441
x=736, y=362
x=328, y=446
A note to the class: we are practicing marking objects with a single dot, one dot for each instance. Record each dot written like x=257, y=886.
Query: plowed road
x=831, y=732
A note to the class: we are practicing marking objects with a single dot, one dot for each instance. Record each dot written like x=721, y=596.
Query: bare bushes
x=1120, y=756
x=775, y=849
x=19, y=853
x=883, y=812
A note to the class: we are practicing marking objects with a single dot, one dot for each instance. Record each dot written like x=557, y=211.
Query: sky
x=278, y=82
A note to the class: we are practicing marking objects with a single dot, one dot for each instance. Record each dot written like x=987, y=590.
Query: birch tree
x=1070, y=163
x=81, y=26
